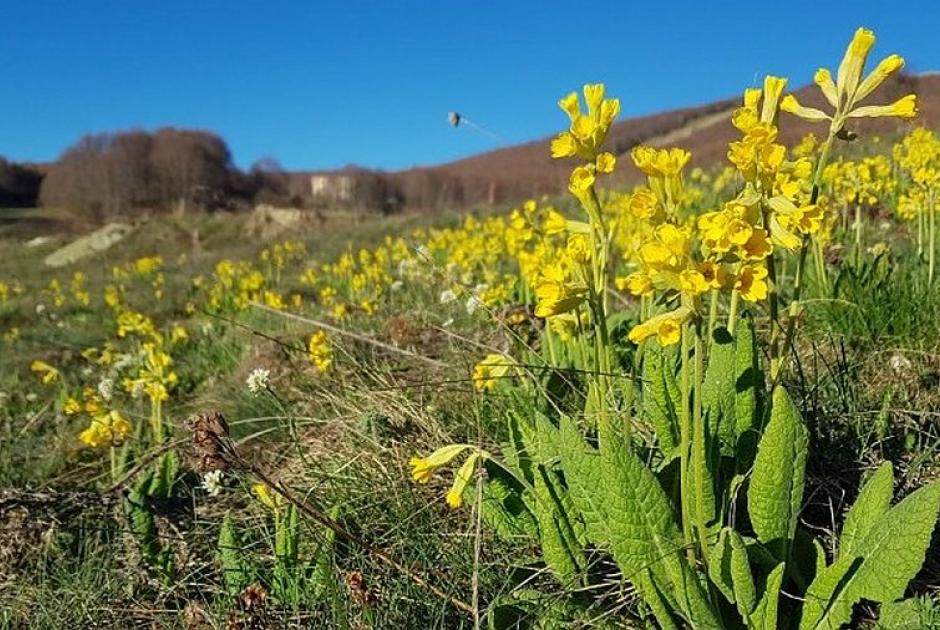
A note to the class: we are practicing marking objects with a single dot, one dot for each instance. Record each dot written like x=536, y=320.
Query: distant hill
x=527, y=170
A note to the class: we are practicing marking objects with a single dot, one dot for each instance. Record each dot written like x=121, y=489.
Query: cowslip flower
x=423, y=468
x=462, y=478
x=849, y=89
x=44, y=371
x=490, y=370
x=320, y=352
x=109, y=428
x=667, y=327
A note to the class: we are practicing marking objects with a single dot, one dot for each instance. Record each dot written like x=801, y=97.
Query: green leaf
x=719, y=565
x=764, y=616
x=719, y=395
x=826, y=605
x=749, y=380
x=775, y=494
x=504, y=507
x=559, y=542
x=661, y=394
x=872, y=503
x=895, y=547
x=903, y=615
x=745, y=593
x=235, y=570
x=888, y=557
x=625, y=510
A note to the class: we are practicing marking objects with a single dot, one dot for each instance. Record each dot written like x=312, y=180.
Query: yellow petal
x=461, y=479
x=888, y=66
x=792, y=106
x=850, y=70
x=905, y=107
x=773, y=88
x=823, y=79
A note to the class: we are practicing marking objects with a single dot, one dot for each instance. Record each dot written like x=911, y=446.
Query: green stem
x=698, y=459
x=712, y=312
x=794, y=309
x=932, y=239
x=684, y=447
x=858, y=236
x=733, y=311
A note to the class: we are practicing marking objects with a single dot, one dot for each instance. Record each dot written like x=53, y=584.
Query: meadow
x=709, y=401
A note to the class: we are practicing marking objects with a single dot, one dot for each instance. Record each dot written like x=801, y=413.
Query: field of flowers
x=711, y=401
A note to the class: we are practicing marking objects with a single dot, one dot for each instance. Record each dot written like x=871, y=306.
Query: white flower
x=396, y=286
x=106, y=389
x=32, y=397
x=448, y=296
x=40, y=308
x=473, y=304
x=212, y=482
x=257, y=381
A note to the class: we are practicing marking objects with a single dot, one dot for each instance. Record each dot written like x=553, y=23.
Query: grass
x=343, y=442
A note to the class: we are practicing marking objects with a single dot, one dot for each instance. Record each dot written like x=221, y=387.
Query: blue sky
x=323, y=84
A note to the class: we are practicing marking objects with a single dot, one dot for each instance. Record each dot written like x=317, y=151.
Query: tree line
x=108, y=174
x=171, y=169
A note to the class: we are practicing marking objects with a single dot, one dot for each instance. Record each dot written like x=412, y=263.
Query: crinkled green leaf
x=872, y=503
x=235, y=570
x=826, y=605
x=775, y=494
x=745, y=593
x=886, y=559
x=749, y=380
x=561, y=549
x=764, y=616
x=661, y=394
x=718, y=393
x=625, y=510
x=504, y=507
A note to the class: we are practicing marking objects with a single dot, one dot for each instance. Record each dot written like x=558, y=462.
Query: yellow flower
x=554, y=223
x=849, y=89
x=109, y=428
x=462, y=478
x=270, y=500
x=692, y=282
x=319, y=351
x=667, y=327
x=564, y=145
x=605, y=162
x=423, y=468
x=582, y=178
x=751, y=283
x=490, y=370
x=638, y=283
x=71, y=407
x=46, y=372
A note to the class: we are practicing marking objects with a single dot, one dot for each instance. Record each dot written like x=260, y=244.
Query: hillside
x=527, y=170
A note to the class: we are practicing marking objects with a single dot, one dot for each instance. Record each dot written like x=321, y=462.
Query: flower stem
x=684, y=447
x=794, y=309
x=698, y=446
